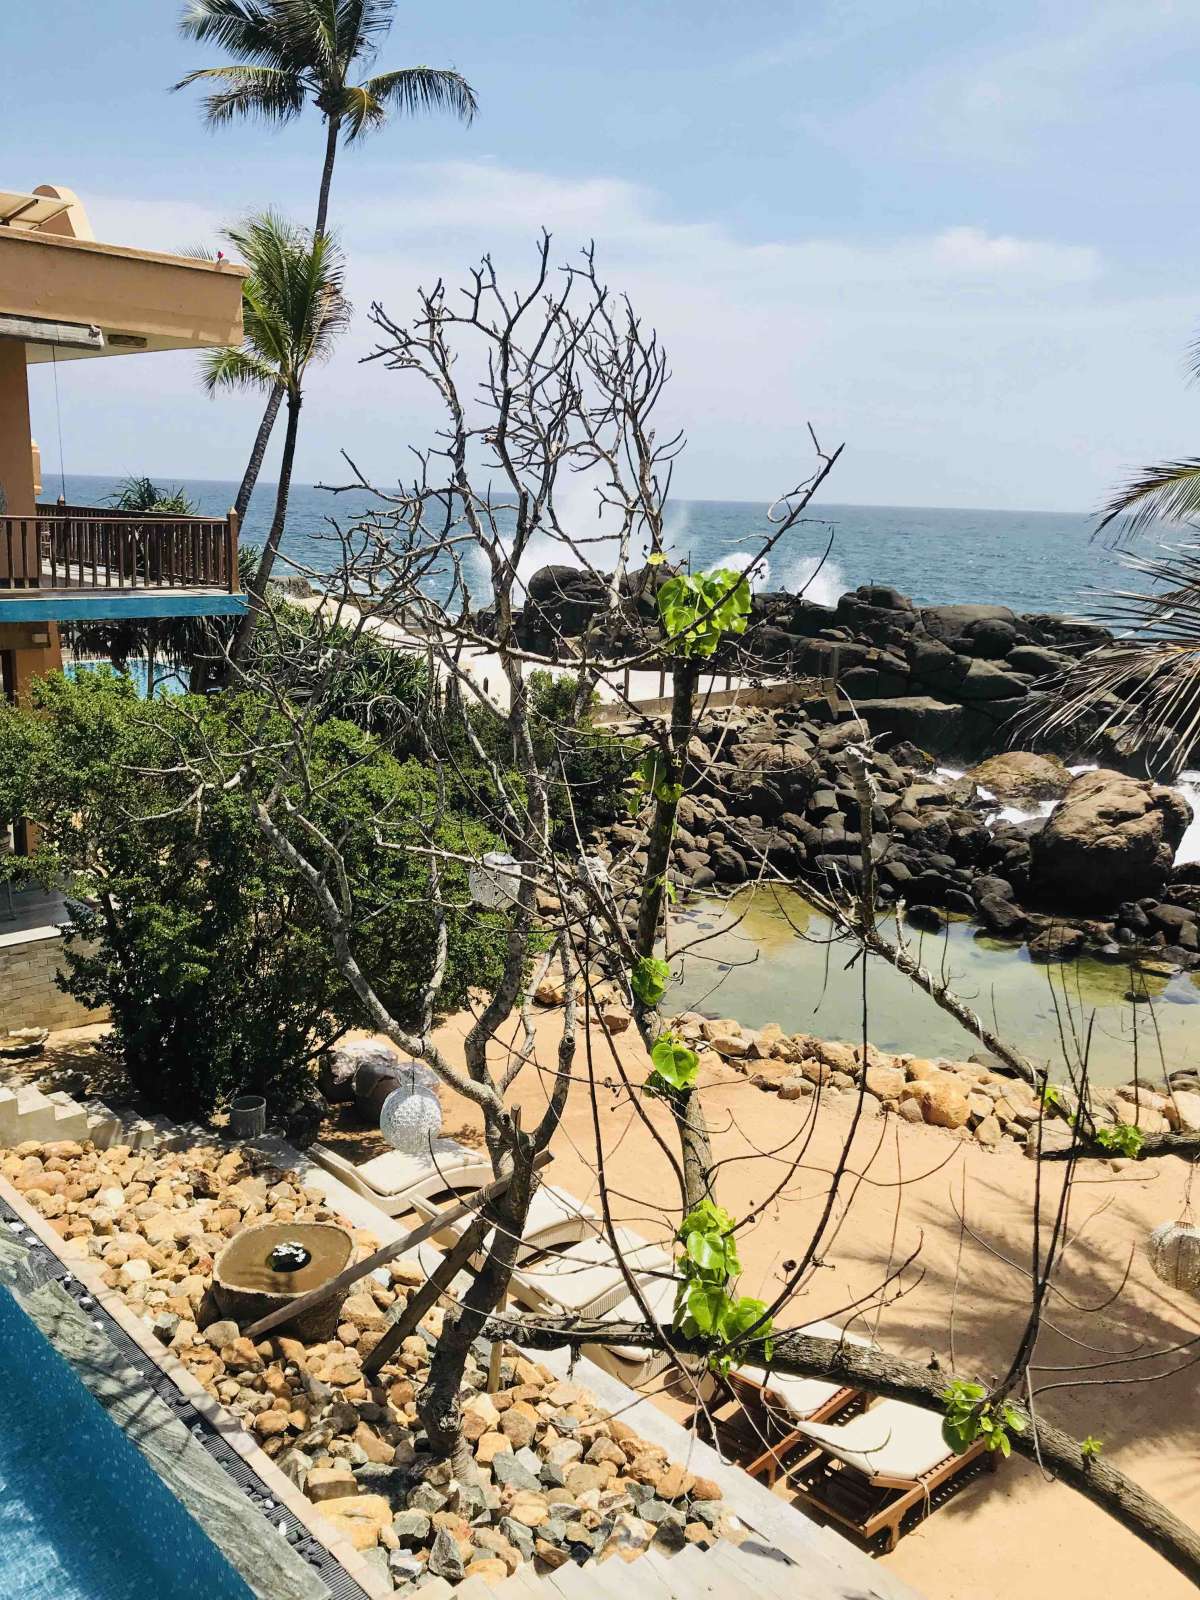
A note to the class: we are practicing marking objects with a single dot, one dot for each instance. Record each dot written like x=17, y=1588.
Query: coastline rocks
x=1021, y=776
x=1112, y=838
x=961, y=1097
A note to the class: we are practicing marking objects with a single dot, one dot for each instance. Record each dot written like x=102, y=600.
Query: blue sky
x=961, y=236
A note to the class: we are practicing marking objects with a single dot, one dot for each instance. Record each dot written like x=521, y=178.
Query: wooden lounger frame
x=769, y=1413
x=884, y=1501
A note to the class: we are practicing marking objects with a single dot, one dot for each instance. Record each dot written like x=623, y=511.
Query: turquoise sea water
x=82, y=1516
x=1030, y=560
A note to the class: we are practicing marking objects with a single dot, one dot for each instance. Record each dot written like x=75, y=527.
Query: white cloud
x=963, y=366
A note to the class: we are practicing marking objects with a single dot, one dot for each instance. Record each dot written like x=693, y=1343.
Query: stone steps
x=26, y=1112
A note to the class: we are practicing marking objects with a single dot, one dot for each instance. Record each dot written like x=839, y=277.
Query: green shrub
x=206, y=949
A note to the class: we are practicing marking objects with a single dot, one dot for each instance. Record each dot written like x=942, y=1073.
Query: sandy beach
x=1008, y=1533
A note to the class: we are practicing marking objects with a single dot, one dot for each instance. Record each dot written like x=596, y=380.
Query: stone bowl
x=19, y=1043
x=246, y=1287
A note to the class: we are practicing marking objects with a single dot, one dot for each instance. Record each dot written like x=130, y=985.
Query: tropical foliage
x=204, y=946
x=290, y=52
x=293, y=311
x=706, y=1304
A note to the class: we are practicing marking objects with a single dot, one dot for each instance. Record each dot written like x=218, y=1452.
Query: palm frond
x=311, y=27
x=236, y=367
x=413, y=90
x=293, y=306
x=362, y=24
x=1169, y=492
x=247, y=30
x=265, y=92
x=1141, y=691
x=361, y=111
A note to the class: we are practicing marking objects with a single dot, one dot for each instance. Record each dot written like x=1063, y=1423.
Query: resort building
x=65, y=296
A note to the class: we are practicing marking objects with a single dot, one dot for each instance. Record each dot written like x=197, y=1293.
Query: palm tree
x=293, y=311
x=1166, y=492
x=293, y=51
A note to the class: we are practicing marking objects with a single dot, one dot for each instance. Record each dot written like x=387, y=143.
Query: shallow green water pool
x=766, y=957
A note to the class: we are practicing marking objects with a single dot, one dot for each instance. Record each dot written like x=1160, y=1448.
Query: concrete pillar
x=16, y=441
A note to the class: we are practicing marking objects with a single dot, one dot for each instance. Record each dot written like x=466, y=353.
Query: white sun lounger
x=555, y=1218
x=776, y=1404
x=566, y=1262
x=634, y=1364
x=584, y=1278
x=877, y=1469
x=397, y=1183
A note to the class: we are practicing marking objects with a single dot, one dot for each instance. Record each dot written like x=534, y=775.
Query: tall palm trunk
x=266, y=426
x=254, y=466
x=258, y=584
x=334, y=128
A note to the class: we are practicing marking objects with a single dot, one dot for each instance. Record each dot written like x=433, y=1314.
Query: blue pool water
x=82, y=1515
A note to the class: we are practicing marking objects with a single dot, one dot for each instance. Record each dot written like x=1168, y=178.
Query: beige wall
x=172, y=302
x=35, y=648
x=29, y=996
x=16, y=447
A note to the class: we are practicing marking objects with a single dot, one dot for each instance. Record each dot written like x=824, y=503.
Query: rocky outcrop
x=959, y=680
x=1021, y=776
x=1113, y=838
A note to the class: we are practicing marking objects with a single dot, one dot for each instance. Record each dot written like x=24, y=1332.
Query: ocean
x=1029, y=560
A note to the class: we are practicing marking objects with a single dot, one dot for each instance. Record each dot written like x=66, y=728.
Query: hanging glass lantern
x=411, y=1120
x=1174, y=1250
x=495, y=881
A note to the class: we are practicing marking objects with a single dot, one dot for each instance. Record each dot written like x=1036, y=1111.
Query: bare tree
x=540, y=391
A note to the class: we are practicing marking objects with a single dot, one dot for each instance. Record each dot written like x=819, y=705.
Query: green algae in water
x=768, y=956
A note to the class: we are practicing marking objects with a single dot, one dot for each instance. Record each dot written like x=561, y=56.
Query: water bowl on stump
x=267, y=1266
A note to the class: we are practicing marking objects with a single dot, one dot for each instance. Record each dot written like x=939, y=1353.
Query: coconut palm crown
x=293, y=307
x=289, y=52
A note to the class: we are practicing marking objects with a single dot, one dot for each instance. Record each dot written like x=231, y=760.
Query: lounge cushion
x=394, y=1173
x=802, y=1396
x=891, y=1440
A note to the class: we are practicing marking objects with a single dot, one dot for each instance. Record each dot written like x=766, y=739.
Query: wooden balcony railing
x=88, y=547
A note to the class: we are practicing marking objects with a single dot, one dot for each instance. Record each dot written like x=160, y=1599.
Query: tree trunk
x=254, y=466
x=258, y=584
x=333, y=129
x=878, y=1373
x=685, y=1105
x=438, y=1401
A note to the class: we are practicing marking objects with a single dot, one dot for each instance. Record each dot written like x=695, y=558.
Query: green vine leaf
x=649, y=979
x=698, y=610
x=1090, y=1447
x=675, y=1063
x=1123, y=1138
x=970, y=1415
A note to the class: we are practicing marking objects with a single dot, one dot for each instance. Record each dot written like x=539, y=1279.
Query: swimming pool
x=82, y=1514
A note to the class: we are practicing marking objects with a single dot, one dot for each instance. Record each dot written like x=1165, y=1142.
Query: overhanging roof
x=140, y=299
x=30, y=210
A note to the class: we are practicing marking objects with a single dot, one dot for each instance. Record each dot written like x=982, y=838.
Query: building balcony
x=80, y=563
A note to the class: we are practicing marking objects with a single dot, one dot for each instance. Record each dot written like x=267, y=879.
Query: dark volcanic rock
x=948, y=622
x=1112, y=838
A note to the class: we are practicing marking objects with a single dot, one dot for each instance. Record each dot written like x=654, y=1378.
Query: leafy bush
x=587, y=767
x=206, y=949
x=360, y=678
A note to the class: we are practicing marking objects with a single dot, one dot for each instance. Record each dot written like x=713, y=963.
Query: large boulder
x=926, y=722
x=1022, y=775
x=563, y=600
x=949, y=622
x=1113, y=838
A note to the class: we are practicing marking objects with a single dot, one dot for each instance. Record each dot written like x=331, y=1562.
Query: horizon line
x=835, y=505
